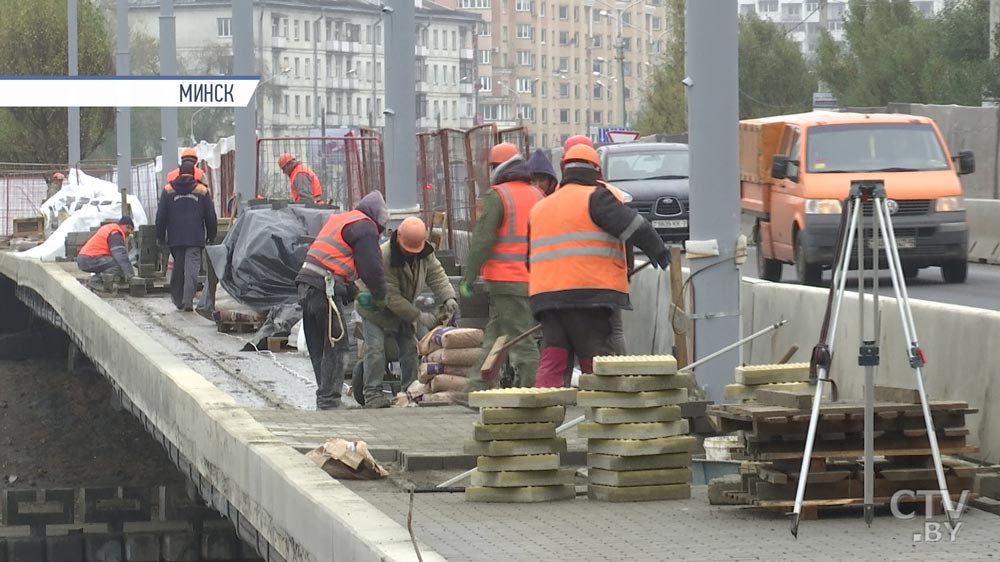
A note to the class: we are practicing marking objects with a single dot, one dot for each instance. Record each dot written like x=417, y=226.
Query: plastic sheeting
x=82, y=203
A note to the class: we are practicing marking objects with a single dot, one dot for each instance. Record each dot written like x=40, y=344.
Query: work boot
x=333, y=405
x=379, y=401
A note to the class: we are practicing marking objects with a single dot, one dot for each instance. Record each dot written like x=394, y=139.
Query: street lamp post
x=260, y=114
x=620, y=53
x=371, y=114
x=517, y=101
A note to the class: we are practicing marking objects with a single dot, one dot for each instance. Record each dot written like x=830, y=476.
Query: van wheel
x=807, y=273
x=768, y=269
x=955, y=271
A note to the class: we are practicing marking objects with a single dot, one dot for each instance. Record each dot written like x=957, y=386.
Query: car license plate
x=900, y=243
x=670, y=224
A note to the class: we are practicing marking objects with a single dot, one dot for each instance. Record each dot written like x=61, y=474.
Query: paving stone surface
x=530, y=494
x=657, y=492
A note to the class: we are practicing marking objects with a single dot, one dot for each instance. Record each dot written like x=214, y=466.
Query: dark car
x=655, y=175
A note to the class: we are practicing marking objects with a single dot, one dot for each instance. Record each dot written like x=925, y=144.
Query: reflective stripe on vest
x=330, y=249
x=568, y=251
x=509, y=253
x=98, y=243
x=317, y=189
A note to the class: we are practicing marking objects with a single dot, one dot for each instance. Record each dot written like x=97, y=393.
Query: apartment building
x=554, y=66
x=804, y=19
x=322, y=61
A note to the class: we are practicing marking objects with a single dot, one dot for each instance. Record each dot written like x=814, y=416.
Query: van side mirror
x=965, y=162
x=779, y=167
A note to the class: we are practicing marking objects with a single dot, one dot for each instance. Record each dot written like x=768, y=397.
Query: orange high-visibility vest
x=331, y=251
x=300, y=168
x=198, y=174
x=568, y=251
x=508, y=260
x=98, y=243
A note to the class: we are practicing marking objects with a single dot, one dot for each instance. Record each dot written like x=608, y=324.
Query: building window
x=468, y=108
x=766, y=6
x=545, y=117
x=378, y=71
x=454, y=41
x=284, y=105
x=564, y=64
x=626, y=18
x=628, y=93
x=597, y=116
x=564, y=116
x=525, y=31
x=595, y=15
x=541, y=8
x=525, y=112
x=544, y=89
x=812, y=7
x=748, y=10
x=598, y=91
x=357, y=106
x=284, y=27
x=576, y=116
x=474, y=4
x=656, y=22
x=486, y=83
x=835, y=25
x=295, y=28
x=563, y=90
x=307, y=26
x=275, y=26
x=596, y=41
x=484, y=29
x=525, y=85
x=627, y=43
x=435, y=74
x=308, y=64
x=308, y=106
x=434, y=42
x=225, y=26
x=525, y=58
x=298, y=68
x=298, y=106
x=489, y=111
x=792, y=9
x=563, y=12
x=522, y=5
x=564, y=38
x=627, y=68
x=485, y=56
x=454, y=109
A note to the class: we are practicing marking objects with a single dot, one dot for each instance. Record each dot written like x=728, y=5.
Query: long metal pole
x=73, y=49
x=315, y=71
x=371, y=114
x=401, y=105
x=124, y=121
x=246, y=117
x=168, y=67
x=713, y=117
x=621, y=70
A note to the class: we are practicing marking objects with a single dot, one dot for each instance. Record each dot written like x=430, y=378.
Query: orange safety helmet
x=58, y=176
x=411, y=235
x=577, y=139
x=502, y=153
x=284, y=159
x=189, y=153
x=582, y=153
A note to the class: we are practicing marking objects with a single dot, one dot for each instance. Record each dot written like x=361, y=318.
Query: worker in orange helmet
x=55, y=183
x=303, y=180
x=106, y=252
x=410, y=268
x=498, y=252
x=578, y=269
x=188, y=155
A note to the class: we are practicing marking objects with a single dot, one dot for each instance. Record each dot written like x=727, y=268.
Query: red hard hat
x=284, y=159
x=575, y=140
x=503, y=152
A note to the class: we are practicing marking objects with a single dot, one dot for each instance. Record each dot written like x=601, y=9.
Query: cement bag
x=426, y=345
x=428, y=371
x=440, y=398
x=468, y=357
x=348, y=460
x=449, y=383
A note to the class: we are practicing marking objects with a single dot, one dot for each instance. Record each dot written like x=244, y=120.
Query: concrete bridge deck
x=235, y=420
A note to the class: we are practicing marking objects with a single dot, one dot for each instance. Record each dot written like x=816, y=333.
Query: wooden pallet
x=278, y=344
x=813, y=509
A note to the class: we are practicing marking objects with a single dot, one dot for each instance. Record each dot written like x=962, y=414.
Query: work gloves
x=451, y=306
x=465, y=289
x=366, y=301
x=428, y=319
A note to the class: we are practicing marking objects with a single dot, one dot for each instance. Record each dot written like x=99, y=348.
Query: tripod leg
x=914, y=352
x=837, y=287
x=868, y=358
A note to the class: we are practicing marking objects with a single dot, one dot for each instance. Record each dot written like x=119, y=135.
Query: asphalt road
x=981, y=289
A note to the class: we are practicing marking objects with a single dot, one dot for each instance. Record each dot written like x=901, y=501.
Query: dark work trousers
x=584, y=332
x=617, y=344
x=328, y=359
x=184, y=277
x=375, y=358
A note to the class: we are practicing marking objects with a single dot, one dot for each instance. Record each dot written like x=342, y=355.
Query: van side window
x=794, y=155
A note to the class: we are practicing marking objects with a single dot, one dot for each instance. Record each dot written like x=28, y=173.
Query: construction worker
x=303, y=181
x=346, y=249
x=543, y=175
x=107, y=253
x=55, y=183
x=498, y=251
x=185, y=222
x=410, y=266
x=578, y=271
x=188, y=155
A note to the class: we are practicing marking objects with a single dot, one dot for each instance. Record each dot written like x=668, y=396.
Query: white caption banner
x=127, y=91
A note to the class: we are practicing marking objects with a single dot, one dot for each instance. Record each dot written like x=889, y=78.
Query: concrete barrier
x=984, y=230
x=957, y=340
x=296, y=507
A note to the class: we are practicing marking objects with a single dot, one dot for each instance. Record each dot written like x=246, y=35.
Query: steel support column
x=74, y=69
x=124, y=120
x=168, y=67
x=399, y=28
x=246, y=117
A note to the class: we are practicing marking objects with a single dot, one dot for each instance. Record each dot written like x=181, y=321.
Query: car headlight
x=823, y=206
x=945, y=204
x=626, y=196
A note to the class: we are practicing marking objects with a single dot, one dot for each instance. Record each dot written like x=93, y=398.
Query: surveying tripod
x=866, y=194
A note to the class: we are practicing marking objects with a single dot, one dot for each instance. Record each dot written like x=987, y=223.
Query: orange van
x=796, y=171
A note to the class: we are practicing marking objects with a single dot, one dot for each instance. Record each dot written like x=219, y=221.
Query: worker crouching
x=410, y=265
x=345, y=250
x=107, y=251
x=578, y=271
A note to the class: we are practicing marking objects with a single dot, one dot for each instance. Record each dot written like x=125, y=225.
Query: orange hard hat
x=58, y=176
x=583, y=153
x=411, y=235
x=577, y=139
x=189, y=153
x=284, y=159
x=502, y=153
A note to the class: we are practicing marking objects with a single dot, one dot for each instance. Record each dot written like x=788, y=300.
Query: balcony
x=466, y=89
x=342, y=83
x=422, y=52
x=279, y=42
x=343, y=46
x=466, y=54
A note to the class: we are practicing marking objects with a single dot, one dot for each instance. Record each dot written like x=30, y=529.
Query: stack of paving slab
x=515, y=439
x=638, y=446
x=782, y=378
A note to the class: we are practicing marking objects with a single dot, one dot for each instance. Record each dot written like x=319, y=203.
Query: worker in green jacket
x=498, y=251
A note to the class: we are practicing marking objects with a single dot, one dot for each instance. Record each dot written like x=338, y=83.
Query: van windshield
x=874, y=147
x=662, y=164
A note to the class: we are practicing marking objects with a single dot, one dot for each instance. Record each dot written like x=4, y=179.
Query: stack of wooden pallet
x=517, y=446
x=638, y=447
x=774, y=437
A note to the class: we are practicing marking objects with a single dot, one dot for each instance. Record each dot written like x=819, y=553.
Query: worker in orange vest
x=578, y=270
x=303, y=181
x=107, y=251
x=188, y=155
x=345, y=250
x=498, y=251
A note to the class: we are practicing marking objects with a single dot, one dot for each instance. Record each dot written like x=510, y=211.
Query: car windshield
x=629, y=166
x=887, y=147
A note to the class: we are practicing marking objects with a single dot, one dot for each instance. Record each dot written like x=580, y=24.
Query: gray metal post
x=713, y=116
x=168, y=67
x=399, y=28
x=315, y=70
x=246, y=117
x=620, y=44
x=74, y=69
x=124, y=121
